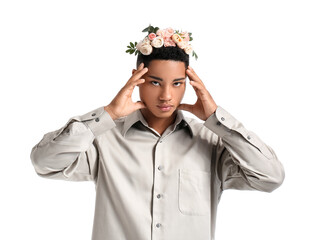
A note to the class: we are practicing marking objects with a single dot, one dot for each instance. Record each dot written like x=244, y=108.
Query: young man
x=158, y=174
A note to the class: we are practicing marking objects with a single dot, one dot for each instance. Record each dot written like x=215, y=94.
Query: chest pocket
x=194, y=192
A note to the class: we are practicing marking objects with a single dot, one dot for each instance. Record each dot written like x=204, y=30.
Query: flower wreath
x=158, y=37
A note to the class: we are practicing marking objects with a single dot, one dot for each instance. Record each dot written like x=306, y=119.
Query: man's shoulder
x=197, y=126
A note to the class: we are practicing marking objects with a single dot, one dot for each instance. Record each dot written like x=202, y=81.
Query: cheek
x=181, y=91
x=145, y=91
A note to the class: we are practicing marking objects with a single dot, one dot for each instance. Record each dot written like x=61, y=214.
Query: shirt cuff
x=98, y=121
x=220, y=122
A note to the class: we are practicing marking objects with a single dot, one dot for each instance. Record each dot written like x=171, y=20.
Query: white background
x=59, y=59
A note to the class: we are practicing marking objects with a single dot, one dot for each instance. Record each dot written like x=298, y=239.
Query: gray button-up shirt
x=157, y=187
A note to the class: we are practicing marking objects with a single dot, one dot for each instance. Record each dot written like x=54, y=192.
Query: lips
x=165, y=106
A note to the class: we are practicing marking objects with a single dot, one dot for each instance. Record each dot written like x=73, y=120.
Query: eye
x=179, y=83
x=153, y=82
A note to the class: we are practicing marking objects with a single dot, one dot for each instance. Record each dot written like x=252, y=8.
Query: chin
x=162, y=114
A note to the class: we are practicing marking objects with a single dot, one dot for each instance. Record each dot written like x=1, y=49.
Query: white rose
x=146, y=40
x=138, y=46
x=176, y=38
x=188, y=49
x=146, y=49
x=157, y=42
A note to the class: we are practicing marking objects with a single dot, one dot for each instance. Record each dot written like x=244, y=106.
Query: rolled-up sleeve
x=244, y=161
x=70, y=153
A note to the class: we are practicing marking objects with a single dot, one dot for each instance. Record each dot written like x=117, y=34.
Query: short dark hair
x=164, y=53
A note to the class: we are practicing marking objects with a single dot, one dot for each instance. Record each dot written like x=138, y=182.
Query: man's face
x=165, y=84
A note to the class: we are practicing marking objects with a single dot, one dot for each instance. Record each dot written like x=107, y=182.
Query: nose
x=166, y=94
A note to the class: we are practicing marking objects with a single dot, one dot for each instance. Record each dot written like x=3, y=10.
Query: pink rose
x=152, y=36
x=165, y=33
x=182, y=44
x=159, y=32
x=169, y=42
x=185, y=35
x=188, y=49
x=169, y=32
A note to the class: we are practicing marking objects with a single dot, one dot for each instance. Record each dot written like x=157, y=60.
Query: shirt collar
x=137, y=116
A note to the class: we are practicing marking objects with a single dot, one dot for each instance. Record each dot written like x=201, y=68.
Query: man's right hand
x=122, y=105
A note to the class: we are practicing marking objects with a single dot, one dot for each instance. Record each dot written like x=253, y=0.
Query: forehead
x=167, y=68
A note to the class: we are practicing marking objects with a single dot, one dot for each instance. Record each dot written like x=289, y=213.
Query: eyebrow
x=160, y=79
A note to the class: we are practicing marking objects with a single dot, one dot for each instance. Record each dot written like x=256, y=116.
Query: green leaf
x=135, y=43
x=135, y=53
x=127, y=50
x=190, y=38
x=145, y=29
x=131, y=44
x=195, y=55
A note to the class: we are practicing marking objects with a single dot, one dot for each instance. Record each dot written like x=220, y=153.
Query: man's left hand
x=205, y=106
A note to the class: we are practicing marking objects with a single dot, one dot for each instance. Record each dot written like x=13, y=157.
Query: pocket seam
x=180, y=184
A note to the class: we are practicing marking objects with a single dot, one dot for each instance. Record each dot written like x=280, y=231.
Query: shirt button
x=222, y=118
x=248, y=137
x=158, y=225
x=97, y=119
x=94, y=114
x=159, y=196
x=160, y=167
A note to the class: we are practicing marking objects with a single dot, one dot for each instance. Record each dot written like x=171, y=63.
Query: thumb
x=186, y=107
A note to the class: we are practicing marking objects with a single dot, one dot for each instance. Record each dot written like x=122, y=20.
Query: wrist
x=109, y=110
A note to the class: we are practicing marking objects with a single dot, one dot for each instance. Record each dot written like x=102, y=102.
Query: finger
x=139, y=73
x=141, y=65
x=132, y=84
x=197, y=85
x=199, y=90
x=192, y=70
x=139, y=105
x=193, y=75
x=186, y=107
x=138, y=82
x=136, y=76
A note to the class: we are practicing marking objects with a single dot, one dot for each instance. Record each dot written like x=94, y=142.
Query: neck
x=159, y=124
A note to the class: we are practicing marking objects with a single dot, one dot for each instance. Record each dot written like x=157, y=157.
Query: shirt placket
x=158, y=194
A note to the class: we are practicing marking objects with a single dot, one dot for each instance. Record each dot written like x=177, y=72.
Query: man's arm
x=244, y=161
x=69, y=152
